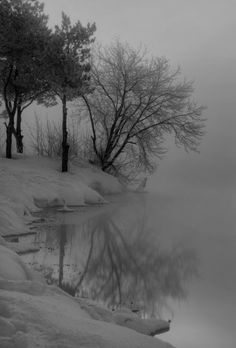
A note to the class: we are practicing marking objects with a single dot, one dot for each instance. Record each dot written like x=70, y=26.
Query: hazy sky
x=197, y=34
x=183, y=30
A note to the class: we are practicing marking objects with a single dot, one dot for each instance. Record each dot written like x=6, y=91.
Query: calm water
x=171, y=252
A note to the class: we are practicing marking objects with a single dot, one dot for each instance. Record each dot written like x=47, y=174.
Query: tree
x=68, y=68
x=136, y=102
x=23, y=42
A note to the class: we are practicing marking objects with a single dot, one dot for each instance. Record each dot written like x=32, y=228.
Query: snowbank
x=125, y=317
x=11, y=218
x=33, y=314
x=13, y=268
x=98, y=180
x=27, y=184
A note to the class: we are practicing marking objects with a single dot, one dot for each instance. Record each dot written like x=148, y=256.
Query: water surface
x=169, y=253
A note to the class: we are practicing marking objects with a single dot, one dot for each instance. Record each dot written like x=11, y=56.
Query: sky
x=197, y=35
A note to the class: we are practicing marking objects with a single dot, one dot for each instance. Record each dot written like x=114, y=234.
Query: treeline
x=131, y=101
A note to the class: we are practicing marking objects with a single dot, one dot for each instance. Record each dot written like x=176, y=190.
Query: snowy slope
x=27, y=184
x=33, y=314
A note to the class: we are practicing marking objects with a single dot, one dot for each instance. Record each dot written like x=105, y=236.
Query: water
x=170, y=252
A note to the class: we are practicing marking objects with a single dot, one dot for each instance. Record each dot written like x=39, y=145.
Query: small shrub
x=46, y=138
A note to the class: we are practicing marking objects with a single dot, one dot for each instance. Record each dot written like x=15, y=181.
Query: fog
x=199, y=37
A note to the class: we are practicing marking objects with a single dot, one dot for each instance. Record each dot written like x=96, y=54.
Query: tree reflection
x=117, y=259
x=127, y=265
x=62, y=243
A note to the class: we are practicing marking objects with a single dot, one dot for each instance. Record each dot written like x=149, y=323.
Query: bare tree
x=136, y=102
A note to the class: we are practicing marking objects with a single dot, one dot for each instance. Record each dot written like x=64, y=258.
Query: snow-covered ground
x=33, y=314
x=27, y=184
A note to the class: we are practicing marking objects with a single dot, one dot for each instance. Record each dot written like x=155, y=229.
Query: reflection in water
x=125, y=266
x=63, y=240
x=117, y=259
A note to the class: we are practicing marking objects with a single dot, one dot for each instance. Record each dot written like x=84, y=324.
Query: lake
x=170, y=252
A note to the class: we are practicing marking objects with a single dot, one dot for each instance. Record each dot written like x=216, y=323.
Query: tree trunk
x=17, y=133
x=65, y=145
x=9, y=132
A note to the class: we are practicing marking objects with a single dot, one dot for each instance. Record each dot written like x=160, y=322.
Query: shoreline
x=29, y=307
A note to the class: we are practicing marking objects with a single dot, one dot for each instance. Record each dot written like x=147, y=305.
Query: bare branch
x=135, y=103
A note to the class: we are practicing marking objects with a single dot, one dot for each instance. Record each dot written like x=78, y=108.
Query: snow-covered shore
x=27, y=184
x=33, y=314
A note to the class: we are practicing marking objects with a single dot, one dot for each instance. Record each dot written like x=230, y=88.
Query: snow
x=12, y=267
x=65, y=209
x=100, y=181
x=10, y=217
x=27, y=184
x=125, y=317
x=32, y=313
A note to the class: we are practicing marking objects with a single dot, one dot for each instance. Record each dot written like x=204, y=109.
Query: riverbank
x=28, y=184
x=33, y=314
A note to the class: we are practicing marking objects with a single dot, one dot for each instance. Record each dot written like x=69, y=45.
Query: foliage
x=136, y=102
x=68, y=68
x=23, y=43
x=67, y=59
